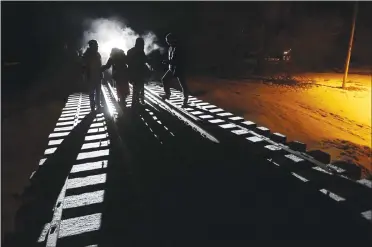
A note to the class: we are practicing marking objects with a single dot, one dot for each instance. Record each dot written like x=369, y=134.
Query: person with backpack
x=92, y=68
x=176, y=68
x=118, y=62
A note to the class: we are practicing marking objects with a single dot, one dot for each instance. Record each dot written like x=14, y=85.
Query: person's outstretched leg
x=125, y=90
x=166, y=80
x=98, y=96
x=135, y=96
x=122, y=93
x=142, y=92
x=113, y=82
x=92, y=99
x=185, y=89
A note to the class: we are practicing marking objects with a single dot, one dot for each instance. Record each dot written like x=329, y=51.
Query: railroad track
x=71, y=176
x=84, y=177
x=312, y=167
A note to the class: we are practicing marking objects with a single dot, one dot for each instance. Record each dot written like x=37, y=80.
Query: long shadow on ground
x=186, y=188
x=41, y=196
x=195, y=189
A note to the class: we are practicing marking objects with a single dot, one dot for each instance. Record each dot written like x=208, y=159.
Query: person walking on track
x=118, y=62
x=92, y=67
x=138, y=66
x=176, y=68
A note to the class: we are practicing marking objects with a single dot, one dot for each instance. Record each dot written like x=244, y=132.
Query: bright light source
x=111, y=33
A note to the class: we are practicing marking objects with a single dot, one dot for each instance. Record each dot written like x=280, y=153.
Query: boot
x=165, y=96
x=185, y=101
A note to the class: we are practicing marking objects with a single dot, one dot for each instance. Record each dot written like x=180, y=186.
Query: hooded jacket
x=92, y=64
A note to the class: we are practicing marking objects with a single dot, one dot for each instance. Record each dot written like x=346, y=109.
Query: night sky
x=33, y=31
x=28, y=24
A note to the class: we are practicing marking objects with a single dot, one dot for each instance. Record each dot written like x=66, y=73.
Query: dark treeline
x=318, y=37
x=220, y=37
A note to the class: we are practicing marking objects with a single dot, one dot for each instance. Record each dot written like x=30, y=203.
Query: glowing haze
x=111, y=33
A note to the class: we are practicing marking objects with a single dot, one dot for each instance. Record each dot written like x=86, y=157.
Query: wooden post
x=347, y=63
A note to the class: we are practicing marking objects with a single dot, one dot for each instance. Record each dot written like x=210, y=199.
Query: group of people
x=133, y=68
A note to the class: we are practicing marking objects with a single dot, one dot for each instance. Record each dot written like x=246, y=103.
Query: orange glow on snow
x=319, y=113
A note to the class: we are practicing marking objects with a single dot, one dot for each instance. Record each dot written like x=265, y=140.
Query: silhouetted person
x=138, y=68
x=118, y=62
x=92, y=64
x=175, y=68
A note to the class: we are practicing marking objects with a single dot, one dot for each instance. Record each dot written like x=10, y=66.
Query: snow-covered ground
x=316, y=111
x=319, y=114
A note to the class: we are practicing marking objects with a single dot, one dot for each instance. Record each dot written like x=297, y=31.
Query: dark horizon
x=23, y=23
x=33, y=33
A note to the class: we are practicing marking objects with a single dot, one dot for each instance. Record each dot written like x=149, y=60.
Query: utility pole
x=350, y=44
